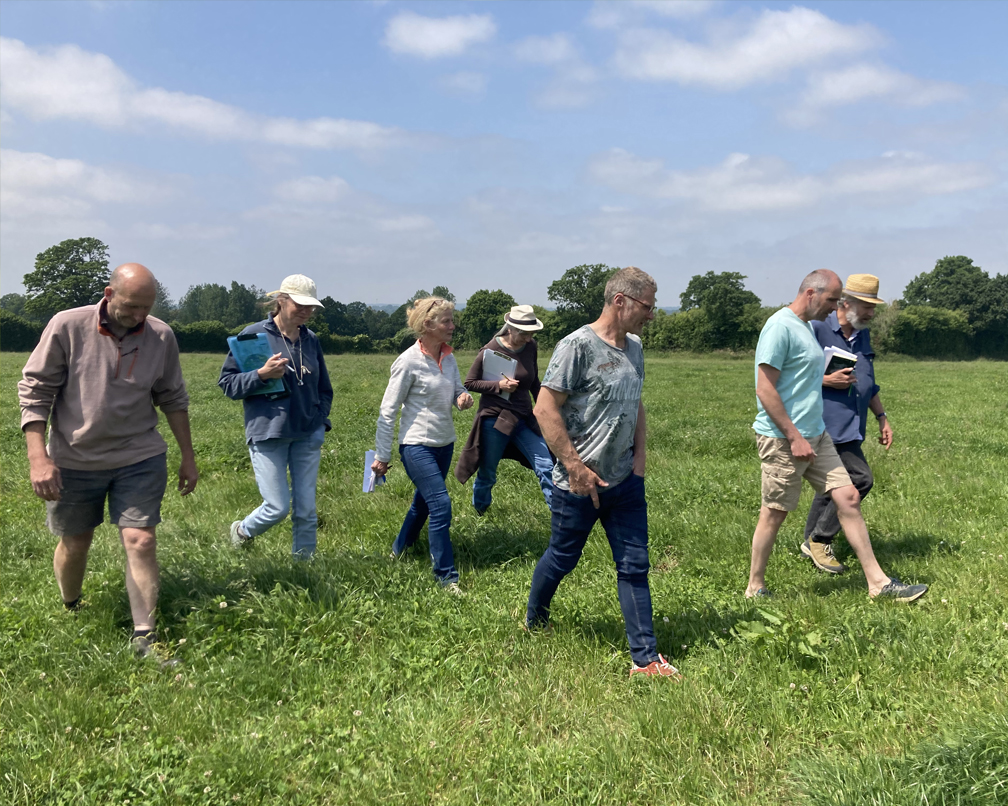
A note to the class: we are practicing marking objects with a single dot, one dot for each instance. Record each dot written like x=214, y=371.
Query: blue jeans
x=270, y=460
x=427, y=468
x=492, y=445
x=623, y=512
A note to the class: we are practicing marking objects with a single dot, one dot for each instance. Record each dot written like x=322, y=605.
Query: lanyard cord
x=297, y=374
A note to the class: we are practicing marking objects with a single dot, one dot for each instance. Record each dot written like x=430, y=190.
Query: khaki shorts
x=782, y=473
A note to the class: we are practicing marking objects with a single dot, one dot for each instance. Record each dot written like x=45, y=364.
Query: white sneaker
x=238, y=539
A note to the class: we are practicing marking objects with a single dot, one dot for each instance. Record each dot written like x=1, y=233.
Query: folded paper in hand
x=370, y=479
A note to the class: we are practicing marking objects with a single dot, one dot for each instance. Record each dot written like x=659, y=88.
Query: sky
x=384, y=147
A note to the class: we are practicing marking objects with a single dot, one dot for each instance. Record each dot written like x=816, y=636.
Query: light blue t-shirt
x=789, y=344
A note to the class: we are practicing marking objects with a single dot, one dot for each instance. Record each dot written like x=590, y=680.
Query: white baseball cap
x=301, y=289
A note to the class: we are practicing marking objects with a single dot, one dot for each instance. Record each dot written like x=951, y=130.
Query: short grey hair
x=630, y=282
x=818, y=280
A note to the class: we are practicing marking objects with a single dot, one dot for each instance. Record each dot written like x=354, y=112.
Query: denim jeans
x=623, y=513
x=823, y=524
x=492, y=445
x=427, y=468
x=270, y=460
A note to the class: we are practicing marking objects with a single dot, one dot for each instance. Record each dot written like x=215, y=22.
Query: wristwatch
x=880, y=415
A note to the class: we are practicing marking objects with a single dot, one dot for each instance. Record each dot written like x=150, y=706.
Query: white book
x=370, y=479
x=496, y=366
x=837, y=358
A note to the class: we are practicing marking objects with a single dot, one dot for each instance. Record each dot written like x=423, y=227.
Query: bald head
x=818, y=295
x=131, y=293
x=132, y=276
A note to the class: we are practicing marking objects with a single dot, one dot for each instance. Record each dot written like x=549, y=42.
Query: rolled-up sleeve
x=43, y=376
x=169, y=391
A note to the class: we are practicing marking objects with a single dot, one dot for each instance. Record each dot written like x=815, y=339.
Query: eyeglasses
x=651, y=308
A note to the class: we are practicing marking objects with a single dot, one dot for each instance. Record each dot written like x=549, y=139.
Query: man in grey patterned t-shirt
x=590, y=412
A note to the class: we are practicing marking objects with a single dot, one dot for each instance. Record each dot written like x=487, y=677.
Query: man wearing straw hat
x=848, y=394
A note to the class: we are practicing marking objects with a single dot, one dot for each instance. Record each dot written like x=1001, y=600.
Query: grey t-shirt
x=603, y=386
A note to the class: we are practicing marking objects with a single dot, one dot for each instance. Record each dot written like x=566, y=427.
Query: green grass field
x=352, y=679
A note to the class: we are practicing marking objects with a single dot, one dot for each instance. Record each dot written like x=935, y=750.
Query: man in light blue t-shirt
x=792, y=439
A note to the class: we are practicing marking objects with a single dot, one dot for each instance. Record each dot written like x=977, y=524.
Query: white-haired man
x=848, y=394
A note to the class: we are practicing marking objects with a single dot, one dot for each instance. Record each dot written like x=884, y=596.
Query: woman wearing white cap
x=286, y=430
x=424, y=385
x=505, y=427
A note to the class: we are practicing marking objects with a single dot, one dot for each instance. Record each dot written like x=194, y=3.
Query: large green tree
x=957, y=284
x=729, y=308
x=579, y=295
x=482, y=317
x=13, y=304
x=207, y=302
x=70, y=274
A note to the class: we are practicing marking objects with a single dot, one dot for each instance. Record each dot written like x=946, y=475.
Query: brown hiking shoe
x=822, y=557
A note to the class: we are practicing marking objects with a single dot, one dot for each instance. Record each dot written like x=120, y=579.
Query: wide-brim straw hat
x=522, y=317
x=299, y=288
x=864, y=287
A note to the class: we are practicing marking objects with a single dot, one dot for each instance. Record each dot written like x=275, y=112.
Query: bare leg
x=769, y=524
x=70, y=563
x=141, y=574
x=848, y=504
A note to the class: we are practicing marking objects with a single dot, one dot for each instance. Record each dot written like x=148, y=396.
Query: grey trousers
x=822, y=524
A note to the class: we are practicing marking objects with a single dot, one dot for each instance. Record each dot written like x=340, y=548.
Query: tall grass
x=353, y=679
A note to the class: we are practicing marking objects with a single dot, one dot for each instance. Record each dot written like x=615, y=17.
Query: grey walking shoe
x=900, y=591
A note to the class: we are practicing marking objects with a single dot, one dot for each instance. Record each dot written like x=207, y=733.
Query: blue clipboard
x=252, y=351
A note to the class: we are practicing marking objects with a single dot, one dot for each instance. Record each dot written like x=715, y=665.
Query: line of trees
x=954, y=311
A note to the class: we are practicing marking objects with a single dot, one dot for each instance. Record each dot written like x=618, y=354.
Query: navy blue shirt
x=297, y=416
x=846, y=412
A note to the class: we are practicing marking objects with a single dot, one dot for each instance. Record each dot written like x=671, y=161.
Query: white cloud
x=776, y=43
x=573, y=81
x=554, y=49
x=745, y=184
x=610, y=14
x=39, y=185
x=465, y=83
x=863, y=82
x=313, y=190
x=411, y=34
x=69, y=83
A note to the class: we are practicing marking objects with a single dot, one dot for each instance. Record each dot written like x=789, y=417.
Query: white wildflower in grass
x=181, y=641
x=792, y=686
x=178, y=678
x=249, y=610
x=68, y=729
x=684, y=646
x=253, y=735
x=665, y=619
x=279, y=702
x=944, y=601
x=41, y=676
x=206, y=791
x=208, y=773
x=222, y=605
x=357, y=713
x=161, y=777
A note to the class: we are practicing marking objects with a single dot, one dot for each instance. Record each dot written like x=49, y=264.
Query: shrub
x=202, y=337
x=923, y=331
x=17, y=334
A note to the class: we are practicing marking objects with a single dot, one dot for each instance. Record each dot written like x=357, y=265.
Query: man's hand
x=841, y=379
x=379, y=467
x=464, y=401
x=801, y=450
x=584, y=481
x=45, y=478
x=885, y=433
x=508, y=384
x=188, y=475
x=275, y=367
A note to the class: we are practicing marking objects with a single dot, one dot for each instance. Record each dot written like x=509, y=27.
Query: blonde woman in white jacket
x=425, y=384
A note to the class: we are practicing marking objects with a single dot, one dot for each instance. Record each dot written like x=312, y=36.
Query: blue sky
x=385, y=147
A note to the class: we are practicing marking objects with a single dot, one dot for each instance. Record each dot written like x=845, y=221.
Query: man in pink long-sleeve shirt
x=97, y=374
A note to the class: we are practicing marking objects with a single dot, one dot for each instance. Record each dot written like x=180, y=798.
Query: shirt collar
x=446, y=349
x=103, y=321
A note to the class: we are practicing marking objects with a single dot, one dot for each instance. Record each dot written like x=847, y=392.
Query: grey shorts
x=134, y=497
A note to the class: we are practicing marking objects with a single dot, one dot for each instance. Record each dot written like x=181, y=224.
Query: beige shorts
x=782, y=473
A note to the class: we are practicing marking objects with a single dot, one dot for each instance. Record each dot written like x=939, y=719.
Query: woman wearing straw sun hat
x=286, y=430
x=505, y=427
